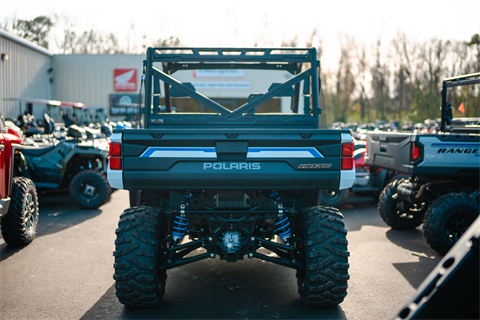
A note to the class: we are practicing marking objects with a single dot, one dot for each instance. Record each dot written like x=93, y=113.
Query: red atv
x=18, y=195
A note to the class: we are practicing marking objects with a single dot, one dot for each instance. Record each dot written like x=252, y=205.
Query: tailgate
x=234, y=159
x=390, y=151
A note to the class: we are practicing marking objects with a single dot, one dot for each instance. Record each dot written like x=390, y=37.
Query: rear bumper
x=180, y=160
x=259, y=180
x=4, y=205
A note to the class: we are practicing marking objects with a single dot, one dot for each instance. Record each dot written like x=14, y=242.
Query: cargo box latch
x=231, y=150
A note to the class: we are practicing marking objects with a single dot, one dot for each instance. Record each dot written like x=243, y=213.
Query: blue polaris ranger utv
x=229, y=181
x=442, y=191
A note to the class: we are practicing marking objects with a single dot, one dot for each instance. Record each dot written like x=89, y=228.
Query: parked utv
x=18, y=196
x=231, y=182
x=443, y=191
x=76, y=163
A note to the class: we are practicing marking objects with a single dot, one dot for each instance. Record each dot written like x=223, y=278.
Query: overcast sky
x=242, y=23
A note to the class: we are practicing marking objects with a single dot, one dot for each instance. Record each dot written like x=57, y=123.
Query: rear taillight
x=115, y=149
x=416, y=152
x=115, y=163
x=115, y=159
x=347, y=156
x=347, y=149
x=347, y=163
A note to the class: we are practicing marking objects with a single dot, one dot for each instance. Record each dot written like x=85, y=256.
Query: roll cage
x=467, y=124
x=291, y=60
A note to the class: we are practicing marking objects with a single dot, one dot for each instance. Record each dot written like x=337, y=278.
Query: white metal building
x=89, y=78
x=25, y=72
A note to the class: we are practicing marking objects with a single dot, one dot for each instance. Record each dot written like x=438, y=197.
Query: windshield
x=229, y=88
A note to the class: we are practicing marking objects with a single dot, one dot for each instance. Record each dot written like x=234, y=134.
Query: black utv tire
x=323, y=281
x=90, y=189
x=376, y=194
x=396, y=177
x=139, y=281
x=393, y=212
x=447, y=219
x=19, y=226
x=334, y=198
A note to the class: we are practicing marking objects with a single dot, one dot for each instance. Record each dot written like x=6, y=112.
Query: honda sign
x=125, y=79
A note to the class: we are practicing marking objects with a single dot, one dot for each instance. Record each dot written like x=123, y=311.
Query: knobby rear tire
x=139, y=282
x=391, y=211
x=323, y=281
x=337, y=200
x=460, y=209
x=99, y=180
x=19, y=226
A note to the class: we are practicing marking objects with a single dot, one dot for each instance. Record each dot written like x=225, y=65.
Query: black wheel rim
x=29, y=212
x=89, y=190
x=332, y=195
x=457, y=224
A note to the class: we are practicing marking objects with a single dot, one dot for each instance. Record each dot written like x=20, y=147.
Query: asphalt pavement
x=67, y=272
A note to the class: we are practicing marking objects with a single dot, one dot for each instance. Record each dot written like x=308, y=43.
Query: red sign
x=125, y=79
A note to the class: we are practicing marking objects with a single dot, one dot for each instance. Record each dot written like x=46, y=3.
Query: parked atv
x=76, y=163
x=443, y=191
x=18, y=195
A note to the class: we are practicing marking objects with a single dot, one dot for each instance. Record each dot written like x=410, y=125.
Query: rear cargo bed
x=231, y=159
x=439, y=155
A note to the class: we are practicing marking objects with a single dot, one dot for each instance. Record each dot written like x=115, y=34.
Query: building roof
x=25, y=43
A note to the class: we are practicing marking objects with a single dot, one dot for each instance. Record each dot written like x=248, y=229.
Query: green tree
x=475, y=42
x=362, y=72
x=35, y=30
x=345, y=80
x=170, y=42
x=380, y=84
